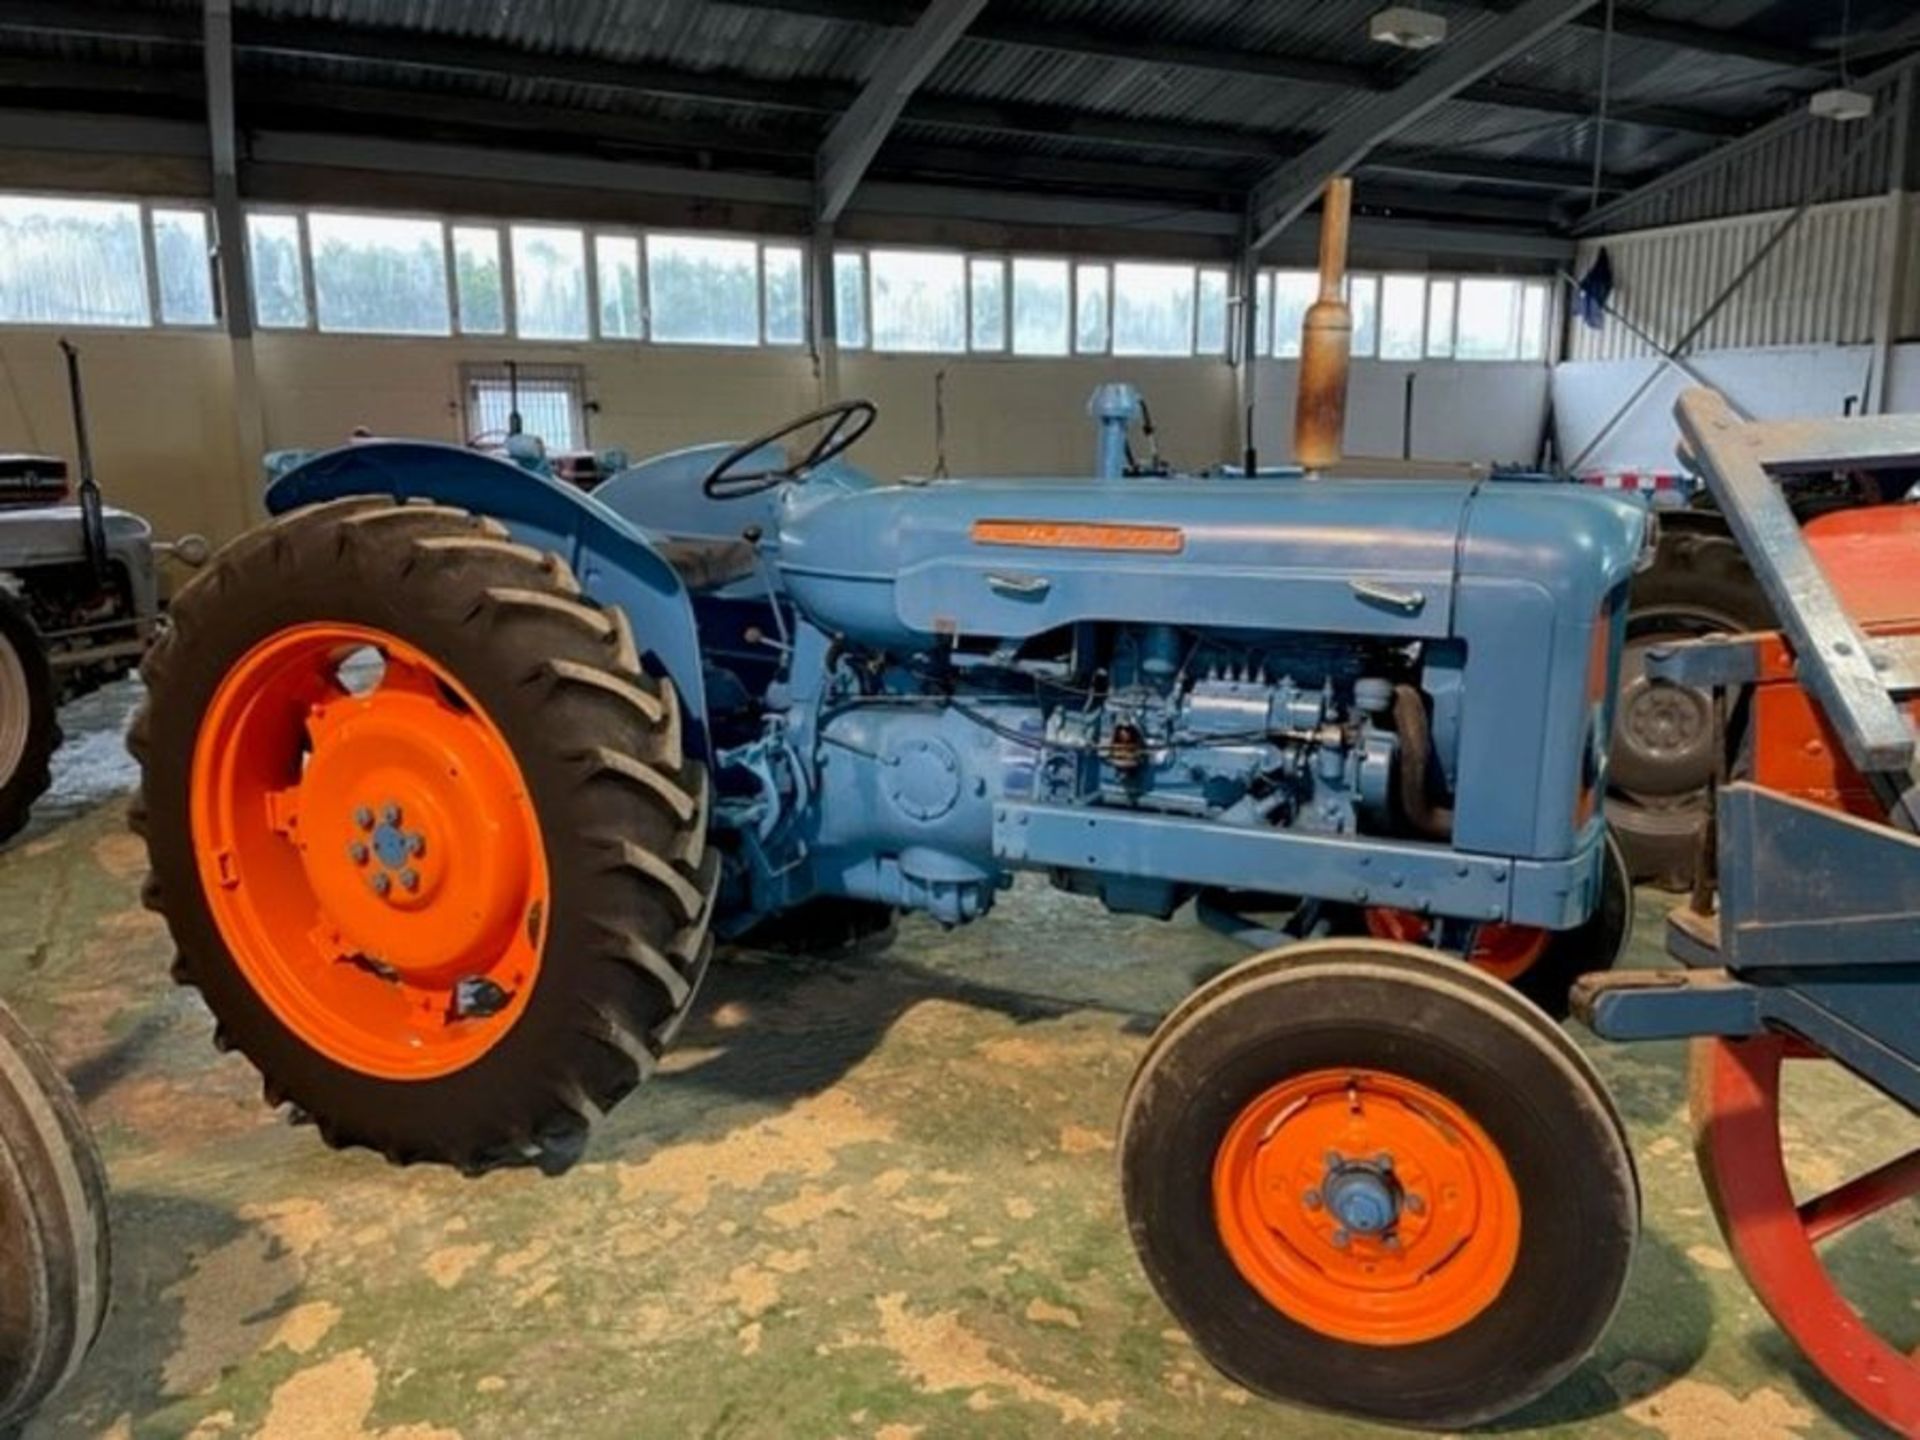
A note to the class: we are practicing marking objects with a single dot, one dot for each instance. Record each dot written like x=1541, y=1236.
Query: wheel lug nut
x=1340, y=1239
x=379, y=884
x=357, y=853
x=391, y=814
x=363, y=817
x=416, y=844
x=476, y=997
x=1415, y=1205
x=409, y=879
x=1311, y=1199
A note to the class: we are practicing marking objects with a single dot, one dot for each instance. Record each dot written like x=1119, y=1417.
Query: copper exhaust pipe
x=1326, y=341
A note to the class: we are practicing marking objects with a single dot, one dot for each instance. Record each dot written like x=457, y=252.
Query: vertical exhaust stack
x=1326, y=341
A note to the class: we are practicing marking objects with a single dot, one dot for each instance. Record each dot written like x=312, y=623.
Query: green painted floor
x=870, y=1198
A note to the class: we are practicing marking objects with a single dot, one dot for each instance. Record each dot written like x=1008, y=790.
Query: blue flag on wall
x=1595, y=286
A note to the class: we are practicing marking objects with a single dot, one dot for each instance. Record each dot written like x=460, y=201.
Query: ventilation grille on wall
x=552, y=399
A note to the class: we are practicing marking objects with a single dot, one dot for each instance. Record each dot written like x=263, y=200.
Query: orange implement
x=369, y=851
x=1868, y=556
x=1366, y=1206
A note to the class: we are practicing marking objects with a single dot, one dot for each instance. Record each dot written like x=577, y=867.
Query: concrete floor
x=870, y=1198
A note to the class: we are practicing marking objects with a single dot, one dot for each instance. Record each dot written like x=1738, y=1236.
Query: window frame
x=503, y=242
x=141, y=206
x=1000, y=258
x=597, y=334
x=151, y=249
x=1194, y=269
x=805, y=251
x=313, y=291
x=1075, y=266
x=966, y=297
x=1013, y=309
x=310, y=312
x=475, y=373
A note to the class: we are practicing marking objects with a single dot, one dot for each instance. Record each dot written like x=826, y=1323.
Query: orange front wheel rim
x=1503, y=951
x=369, y=850
x=1366, y=1206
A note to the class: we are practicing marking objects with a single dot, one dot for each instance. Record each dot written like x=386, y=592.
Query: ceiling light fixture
x=1841, y=103
x=1408, y=27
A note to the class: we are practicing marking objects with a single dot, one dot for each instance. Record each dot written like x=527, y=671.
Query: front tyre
x=423, y=832
x=28, y=731
x=1371, y=1182
x=55, y=1259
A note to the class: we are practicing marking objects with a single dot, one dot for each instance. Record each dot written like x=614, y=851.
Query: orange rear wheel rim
x=369, y=850
x=1366, y=1206
x=1504, y=951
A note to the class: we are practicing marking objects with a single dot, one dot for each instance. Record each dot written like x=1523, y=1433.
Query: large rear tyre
x=1371, y=1181
x=54, y=1251
x=29, y=733
x=423, y=832
x=1663, y=734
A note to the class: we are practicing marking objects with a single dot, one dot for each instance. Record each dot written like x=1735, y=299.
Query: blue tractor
x=453, y=774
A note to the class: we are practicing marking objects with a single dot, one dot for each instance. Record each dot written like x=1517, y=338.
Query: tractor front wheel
x=423, y=832
x=1368, y=1181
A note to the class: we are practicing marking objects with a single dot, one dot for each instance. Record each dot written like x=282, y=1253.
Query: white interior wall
x=1462, y=410
x=1771, y=384
x=1818, y=285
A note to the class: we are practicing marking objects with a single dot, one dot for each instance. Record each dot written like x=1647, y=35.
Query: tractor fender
x=613, y=559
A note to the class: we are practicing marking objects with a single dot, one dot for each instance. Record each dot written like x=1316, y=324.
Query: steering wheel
x=847, y=421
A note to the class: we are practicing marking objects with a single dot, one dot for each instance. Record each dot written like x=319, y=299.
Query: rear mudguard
x=615, y=562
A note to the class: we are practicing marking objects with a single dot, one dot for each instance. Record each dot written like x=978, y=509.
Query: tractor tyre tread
x=53, y=1218
x=32, y=774
x=622, y=810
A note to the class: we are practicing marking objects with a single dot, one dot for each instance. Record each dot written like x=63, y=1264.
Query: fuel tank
x=895, y=567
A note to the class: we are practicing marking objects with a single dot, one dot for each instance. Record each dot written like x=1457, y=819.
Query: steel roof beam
x=1008, y=28
x=1878, y=82
x=860, y=132
x=1291, y=187
x=456, y=53
x=389, y=45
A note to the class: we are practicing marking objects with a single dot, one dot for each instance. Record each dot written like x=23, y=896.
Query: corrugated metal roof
x=1008, y=96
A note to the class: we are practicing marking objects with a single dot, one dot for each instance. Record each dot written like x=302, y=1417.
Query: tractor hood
x=895, y=567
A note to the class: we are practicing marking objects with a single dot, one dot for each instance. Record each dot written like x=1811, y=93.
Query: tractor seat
x=709, y=564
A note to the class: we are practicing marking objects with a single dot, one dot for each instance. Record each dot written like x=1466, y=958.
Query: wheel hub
x=1362, y=1195
x=436, y=888
x=1366, y=1206
x=1665, y=720
x=1664, y=733
x=370, y=852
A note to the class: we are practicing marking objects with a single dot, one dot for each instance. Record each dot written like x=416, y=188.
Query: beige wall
x=1028, y=416
x=1004, y=416
x=163, y=431
x=160, y=407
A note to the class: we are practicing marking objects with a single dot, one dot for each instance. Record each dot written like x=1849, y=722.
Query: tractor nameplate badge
x=1080, y=535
